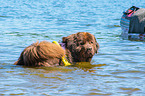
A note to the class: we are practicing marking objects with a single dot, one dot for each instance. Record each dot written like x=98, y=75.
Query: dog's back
x=41, y=54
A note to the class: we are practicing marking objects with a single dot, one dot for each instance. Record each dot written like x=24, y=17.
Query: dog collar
x=66, y=63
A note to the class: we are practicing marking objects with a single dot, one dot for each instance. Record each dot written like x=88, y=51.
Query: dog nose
x=89, y=49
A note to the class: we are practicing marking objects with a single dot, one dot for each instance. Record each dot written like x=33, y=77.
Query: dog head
x=82, y=46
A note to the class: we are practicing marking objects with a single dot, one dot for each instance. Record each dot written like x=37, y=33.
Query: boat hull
x=125, y=25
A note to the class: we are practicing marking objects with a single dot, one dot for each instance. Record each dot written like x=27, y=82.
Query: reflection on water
x=87, y=66
x=117, y=70
x=129, y=90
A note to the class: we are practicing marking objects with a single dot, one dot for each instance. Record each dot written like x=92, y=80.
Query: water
x=118, y=68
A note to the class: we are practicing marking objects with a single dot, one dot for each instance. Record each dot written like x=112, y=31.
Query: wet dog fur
x=79, y=47
x=41, y=54
x=82, y=46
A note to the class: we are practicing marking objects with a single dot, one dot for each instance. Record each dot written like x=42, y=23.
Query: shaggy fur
x=79, y=47
x=82, y=46
x=41, y=54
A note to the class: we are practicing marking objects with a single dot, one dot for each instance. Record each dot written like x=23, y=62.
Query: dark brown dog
x=79, y=47
x=82, y=46
x=41, y=54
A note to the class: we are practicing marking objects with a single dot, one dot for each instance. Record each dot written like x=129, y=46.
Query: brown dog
x=41, y=54
x=82, y=46
x=79, y=47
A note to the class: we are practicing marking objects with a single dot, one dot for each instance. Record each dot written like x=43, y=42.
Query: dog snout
x=89, y=48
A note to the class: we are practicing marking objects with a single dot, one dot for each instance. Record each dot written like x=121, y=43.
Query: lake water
x=117, y=70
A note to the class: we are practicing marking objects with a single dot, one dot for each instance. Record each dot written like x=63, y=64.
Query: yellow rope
x=66, y=63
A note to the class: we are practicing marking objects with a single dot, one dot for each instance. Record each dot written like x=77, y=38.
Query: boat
x=133, y=24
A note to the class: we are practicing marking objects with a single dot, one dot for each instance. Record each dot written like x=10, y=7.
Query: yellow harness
x=66, y=63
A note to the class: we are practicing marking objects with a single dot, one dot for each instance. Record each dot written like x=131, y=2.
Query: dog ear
x=64, y=39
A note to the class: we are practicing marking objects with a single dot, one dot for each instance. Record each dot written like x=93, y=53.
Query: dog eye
x=91, y=41
x=82, y=43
